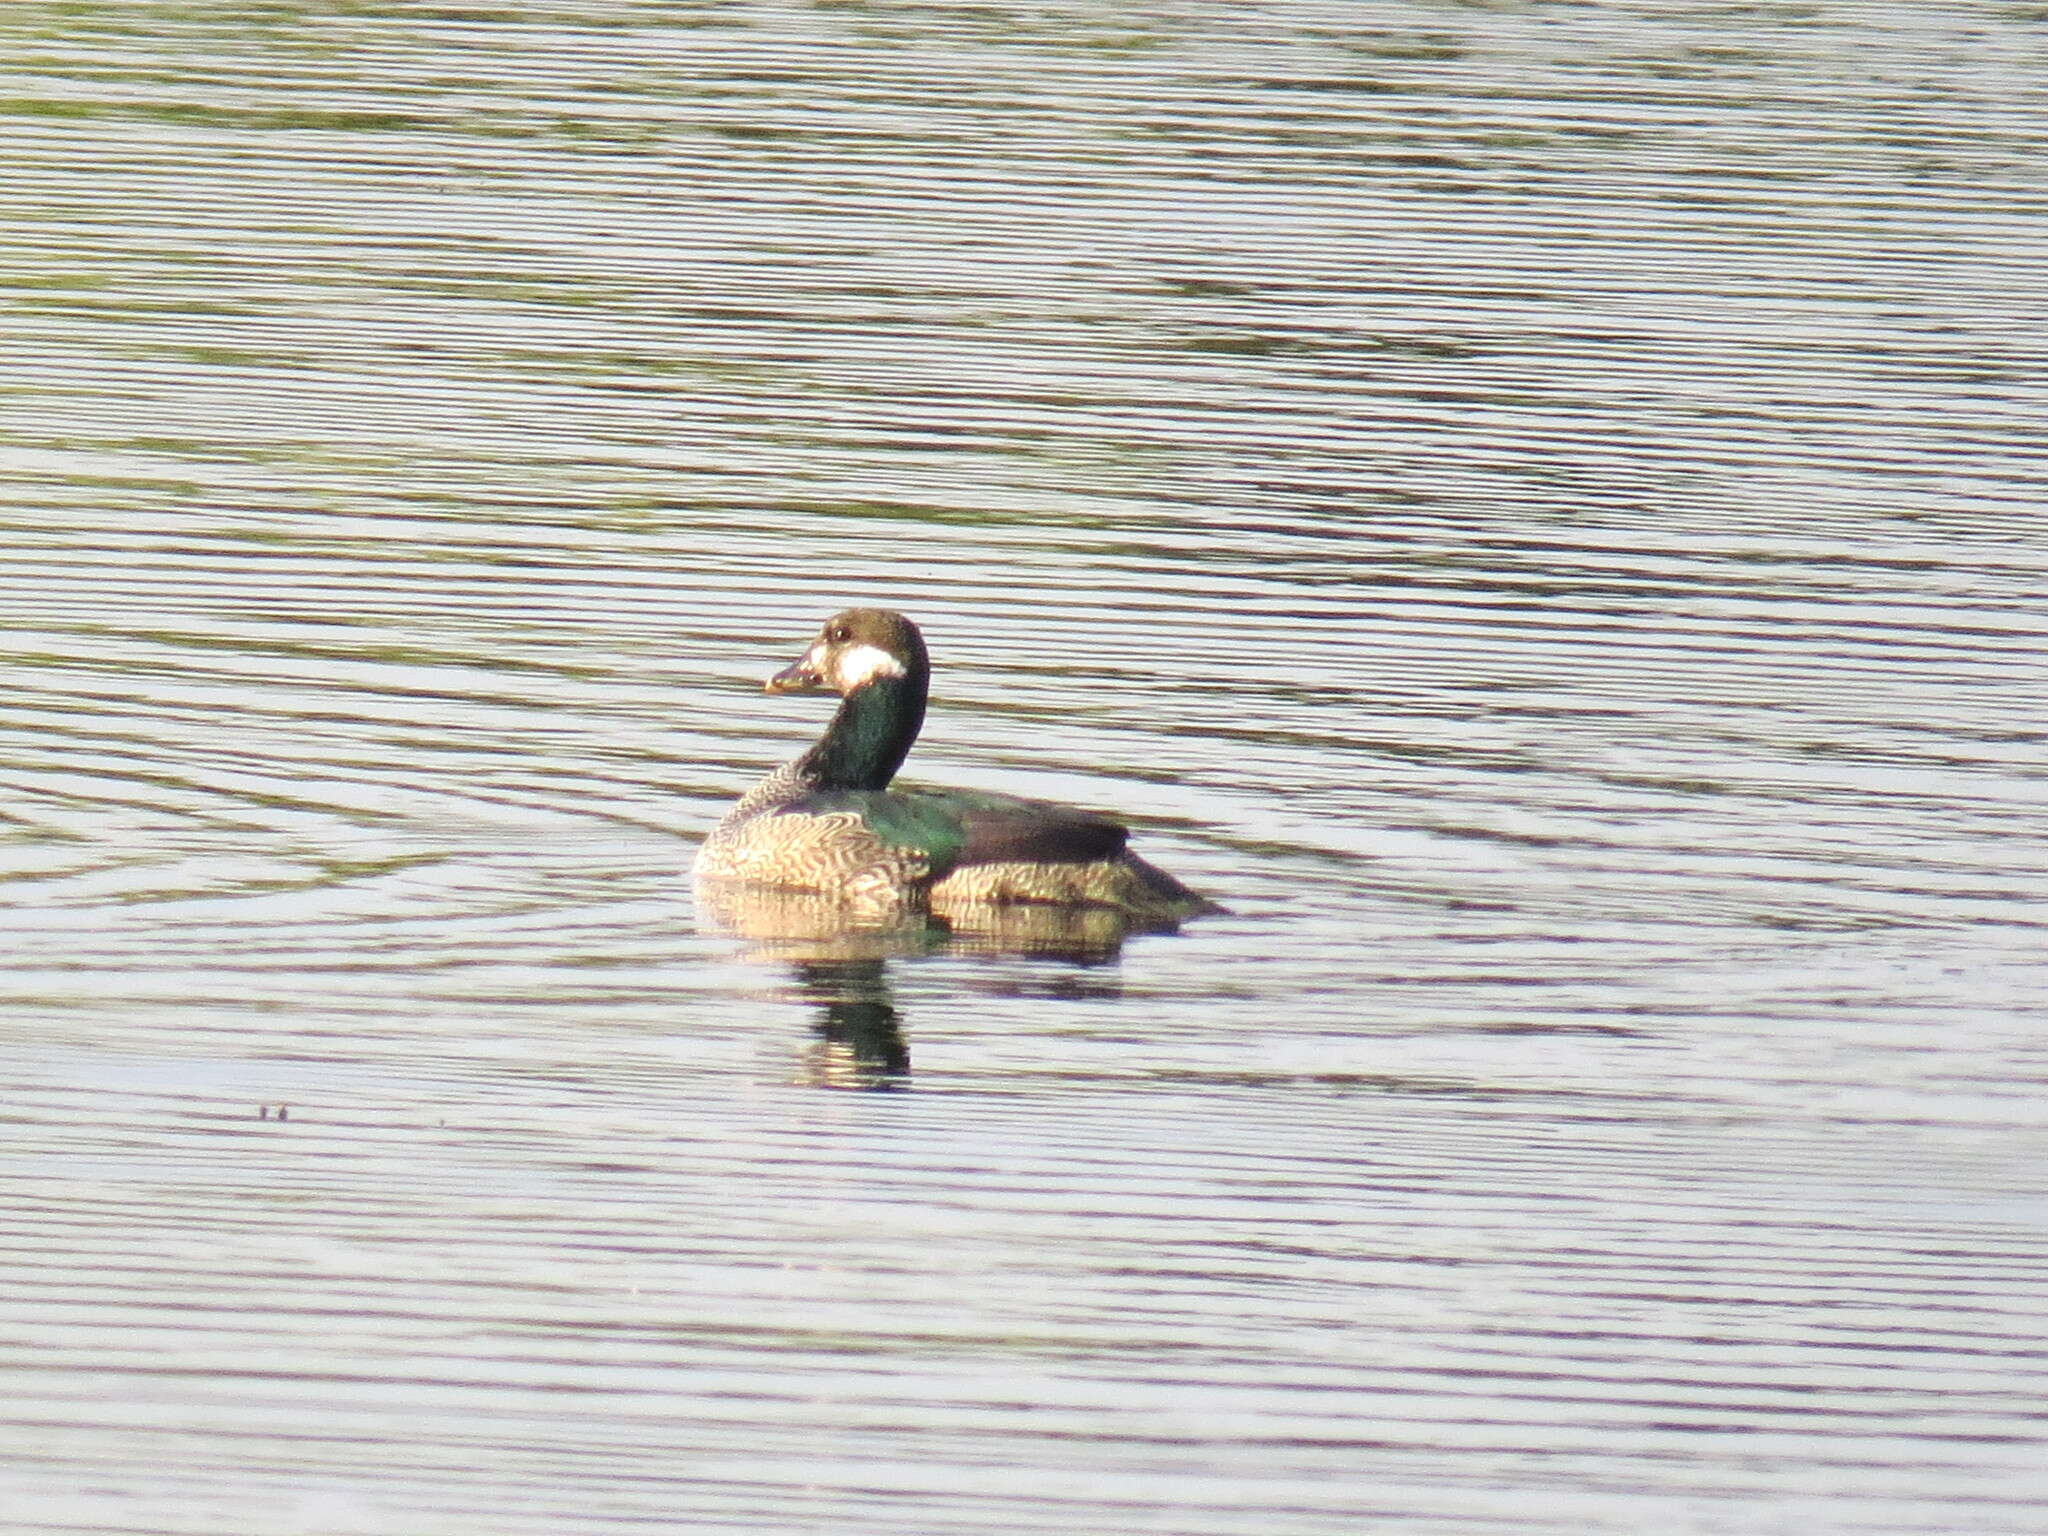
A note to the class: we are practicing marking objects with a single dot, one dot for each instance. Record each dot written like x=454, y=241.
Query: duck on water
x=829, y=822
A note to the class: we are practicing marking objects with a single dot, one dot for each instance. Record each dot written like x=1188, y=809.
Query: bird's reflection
x=839, y=954
x=860, y=1034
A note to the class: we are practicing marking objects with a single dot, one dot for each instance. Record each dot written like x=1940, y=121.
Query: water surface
x=1535, y=507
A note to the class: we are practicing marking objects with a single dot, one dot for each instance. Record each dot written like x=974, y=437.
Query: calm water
x=1536, y=506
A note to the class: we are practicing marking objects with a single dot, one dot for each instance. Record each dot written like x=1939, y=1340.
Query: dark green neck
x=870, y=735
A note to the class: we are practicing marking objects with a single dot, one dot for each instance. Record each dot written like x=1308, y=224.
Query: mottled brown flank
x=833, y=852
x=1126, y=883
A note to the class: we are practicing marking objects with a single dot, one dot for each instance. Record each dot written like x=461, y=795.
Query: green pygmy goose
x=829, y=822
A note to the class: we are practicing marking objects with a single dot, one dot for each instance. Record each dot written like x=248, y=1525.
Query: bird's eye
x=838, y=633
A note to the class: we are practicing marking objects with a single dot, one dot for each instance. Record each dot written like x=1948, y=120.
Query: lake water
x=1535, y=506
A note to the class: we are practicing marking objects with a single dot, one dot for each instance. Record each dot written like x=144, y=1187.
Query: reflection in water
x=861, y=1035
x=840, y=954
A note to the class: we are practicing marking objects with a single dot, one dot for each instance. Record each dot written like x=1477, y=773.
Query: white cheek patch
x=859, y=665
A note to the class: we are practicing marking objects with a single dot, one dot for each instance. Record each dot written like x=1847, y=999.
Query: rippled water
x=1535, y=506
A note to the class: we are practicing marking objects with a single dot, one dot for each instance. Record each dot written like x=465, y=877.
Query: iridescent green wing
x=954, y=828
